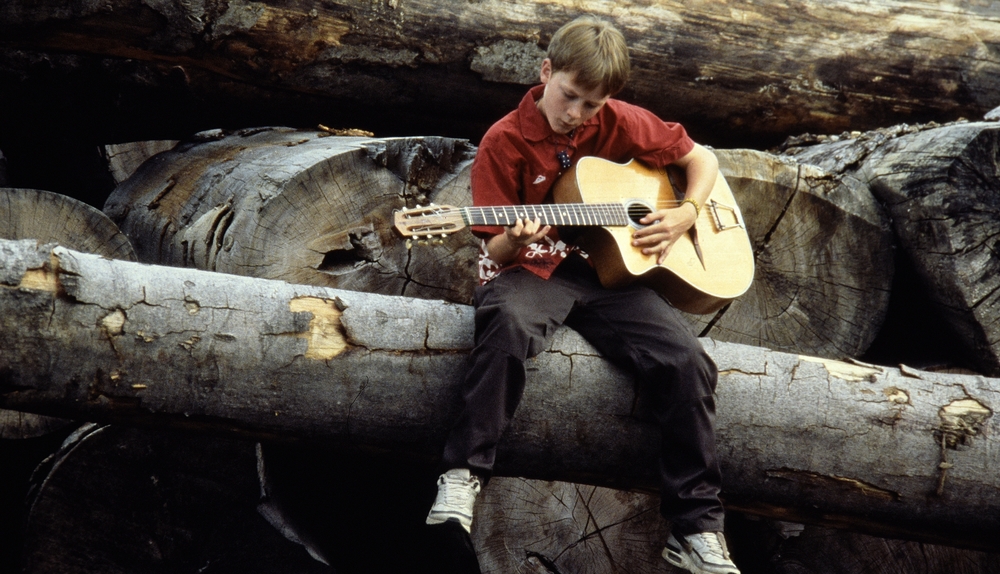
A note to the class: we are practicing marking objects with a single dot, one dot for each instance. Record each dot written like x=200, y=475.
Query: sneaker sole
x=441, y=518
x=682, y=561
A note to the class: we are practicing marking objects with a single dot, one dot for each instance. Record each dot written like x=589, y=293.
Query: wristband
x=697, y=208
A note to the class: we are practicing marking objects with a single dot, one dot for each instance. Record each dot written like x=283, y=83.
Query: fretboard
x=605, y=214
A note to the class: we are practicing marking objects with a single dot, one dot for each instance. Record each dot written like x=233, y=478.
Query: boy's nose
x=575, y=111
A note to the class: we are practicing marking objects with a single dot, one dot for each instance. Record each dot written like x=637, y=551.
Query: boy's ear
x=546, y=72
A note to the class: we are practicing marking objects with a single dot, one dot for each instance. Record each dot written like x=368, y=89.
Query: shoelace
x=711, y=540
x=458, y=492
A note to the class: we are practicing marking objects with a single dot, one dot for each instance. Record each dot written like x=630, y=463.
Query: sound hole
x=637, y=210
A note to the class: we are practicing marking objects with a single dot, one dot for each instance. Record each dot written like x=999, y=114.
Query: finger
x=663, y=255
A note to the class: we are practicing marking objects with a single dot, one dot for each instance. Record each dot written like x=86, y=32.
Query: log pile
x=939, y=184
x=339, y=348
x=823, y=246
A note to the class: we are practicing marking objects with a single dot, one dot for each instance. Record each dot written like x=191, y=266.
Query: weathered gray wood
x=736, y=73
x=301, y=206
x=51, y=217
x=940, y=185
x=538, y=526
x=124, y=159
x=888, y=451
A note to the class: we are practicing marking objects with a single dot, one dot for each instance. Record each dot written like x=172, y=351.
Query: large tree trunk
x=823, y=247
x=736, y=73
x=940, y=185
x=888, y=451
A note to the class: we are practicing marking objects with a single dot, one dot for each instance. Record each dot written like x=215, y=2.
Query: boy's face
x=565, y=104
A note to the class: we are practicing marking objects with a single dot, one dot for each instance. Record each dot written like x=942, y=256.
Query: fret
x=583, y=214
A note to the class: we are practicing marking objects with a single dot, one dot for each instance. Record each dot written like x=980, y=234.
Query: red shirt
x=517, y=164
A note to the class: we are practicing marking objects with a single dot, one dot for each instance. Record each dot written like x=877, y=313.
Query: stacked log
x=745, y=75
x=27, y=438
x=302, y=206
x=890, y=451
x=939, y=184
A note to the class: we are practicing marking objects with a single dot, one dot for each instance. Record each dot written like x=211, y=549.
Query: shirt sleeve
x=640, y=134
x=495, y=179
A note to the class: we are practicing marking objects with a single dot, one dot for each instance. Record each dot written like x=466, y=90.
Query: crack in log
x=360, y=246
x=809, y=478
x=781, y=215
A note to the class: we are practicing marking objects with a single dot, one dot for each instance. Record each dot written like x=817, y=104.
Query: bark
x=890, y=451
x=939, y=184
x=822, y=551
x=823, y=247
x=736, y=73
x=49, y=217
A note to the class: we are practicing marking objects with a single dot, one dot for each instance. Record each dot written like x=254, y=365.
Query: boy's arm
x=701, y=167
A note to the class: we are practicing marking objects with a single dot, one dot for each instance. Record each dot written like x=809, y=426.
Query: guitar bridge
x=737, y=217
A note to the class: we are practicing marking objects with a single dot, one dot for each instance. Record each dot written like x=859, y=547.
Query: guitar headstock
x=428, y=222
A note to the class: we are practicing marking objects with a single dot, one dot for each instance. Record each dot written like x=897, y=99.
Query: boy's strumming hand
x=665, y=228
x=667, y=225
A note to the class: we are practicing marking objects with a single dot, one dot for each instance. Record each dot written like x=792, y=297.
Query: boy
x=531, y=282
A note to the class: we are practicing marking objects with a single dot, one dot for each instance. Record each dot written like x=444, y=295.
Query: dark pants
x=517, y=312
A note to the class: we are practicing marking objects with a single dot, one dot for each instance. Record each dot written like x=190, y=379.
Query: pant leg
x=516, y=313
x=638, y=330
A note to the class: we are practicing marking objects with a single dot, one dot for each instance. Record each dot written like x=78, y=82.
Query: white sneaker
x=457, y=490
x=702, y=553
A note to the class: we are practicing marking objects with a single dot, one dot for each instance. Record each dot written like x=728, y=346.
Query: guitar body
x=682, y=278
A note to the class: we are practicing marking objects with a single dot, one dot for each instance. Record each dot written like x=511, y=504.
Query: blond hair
x=593, y=50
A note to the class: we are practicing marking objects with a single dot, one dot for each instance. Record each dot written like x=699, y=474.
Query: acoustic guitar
x=705, y=269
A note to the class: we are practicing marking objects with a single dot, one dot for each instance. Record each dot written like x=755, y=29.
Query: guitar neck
x=584, y=214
